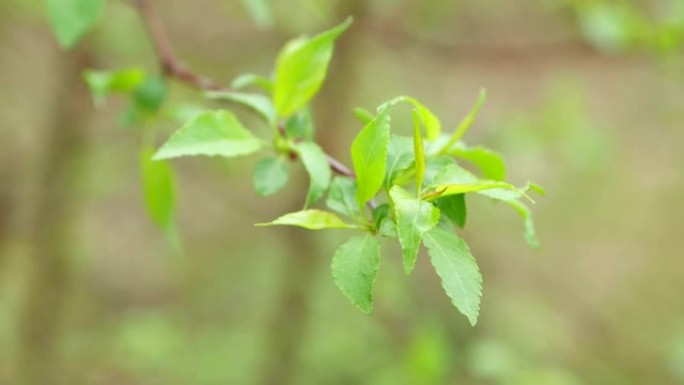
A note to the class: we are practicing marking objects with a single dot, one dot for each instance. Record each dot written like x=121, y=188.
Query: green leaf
x=301, y=69
x=492, y=164
x=316, y=164
x=260, y=12
x=454, y=208
x=453, y=174
x=399, y=157
x=300, y=125
x=312, y=220
x=71, y=19
x=342, y=197
x=529, y=230
x=158, y=189
x=150, y=94
x=369, y=155
x=457, y=269
x=434, y=166
x=364, y=116
x=270, y=176
x=256, y=102
x=456, y=180
x=451, y=189
x=354, y=269
x=252, y=80
x=213, y=133
x=104, y=83
x=413, y=218
x=432, y=125
x=466, y=122
x=419, y=152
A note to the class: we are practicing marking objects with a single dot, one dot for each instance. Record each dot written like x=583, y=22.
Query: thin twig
x=170, y=64
x=172, y=67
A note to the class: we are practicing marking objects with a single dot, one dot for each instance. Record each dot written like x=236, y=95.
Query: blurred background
x=586, y=97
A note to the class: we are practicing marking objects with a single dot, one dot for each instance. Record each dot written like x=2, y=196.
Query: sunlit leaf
x=301, y=68
x=354, y=269
x=363, y=116
x=312, y=220
x=213, y=133
x=369, y=155
x=492, y=164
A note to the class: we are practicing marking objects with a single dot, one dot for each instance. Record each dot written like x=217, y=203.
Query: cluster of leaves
x=409, y=188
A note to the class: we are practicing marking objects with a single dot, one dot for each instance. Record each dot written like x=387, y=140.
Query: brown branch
x=172, y=67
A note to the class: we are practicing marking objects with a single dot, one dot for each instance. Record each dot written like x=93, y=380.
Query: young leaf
x=457, y=269
x=300, y=125
x=312, y=220
x=301, y=69
x=364, y=116
x=453, y=174
x=492, y=164
x=158, y=189
x=433, y=127
x=418, y=151
x=252, y=80
x=316, y=164
x=342, y=197
x=413, y=218
x=270, y=176
x=104, y=83
x=256, y=102
x=71, y=19
x=452, y=189
x=354, y=269
x=454, y=208
x=211, y=133
x=399, y=157
x=150, y=94
x=466, y=122
x=434, y=166
x=369, y=155
x=529, y=232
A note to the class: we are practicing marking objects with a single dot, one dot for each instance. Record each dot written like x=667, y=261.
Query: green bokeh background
x=585, y=97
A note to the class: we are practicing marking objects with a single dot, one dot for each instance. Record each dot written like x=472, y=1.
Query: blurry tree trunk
x=290, y=321
x=50, y=264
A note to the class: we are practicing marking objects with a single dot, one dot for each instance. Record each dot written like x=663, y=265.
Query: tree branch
x=172, y=67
